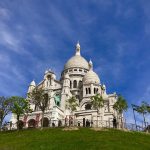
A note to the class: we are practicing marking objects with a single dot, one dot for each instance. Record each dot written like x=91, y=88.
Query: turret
x=49, y=78
x=65, y=91
x=90, y=65
x=66, y=81
x=31, y=86
x=104, y=88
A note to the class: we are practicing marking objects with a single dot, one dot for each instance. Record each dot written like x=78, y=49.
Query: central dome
x=77, y=61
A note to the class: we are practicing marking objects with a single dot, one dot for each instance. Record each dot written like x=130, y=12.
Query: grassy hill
x=83, y=139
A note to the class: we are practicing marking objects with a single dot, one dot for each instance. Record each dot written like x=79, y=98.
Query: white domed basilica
x=78, y=79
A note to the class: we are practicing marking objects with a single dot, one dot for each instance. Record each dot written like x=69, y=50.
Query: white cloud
x=9, y=40
x=4, y=59
x=109, y=68
x=10, y=35
x=62, y=22
x=4, y=13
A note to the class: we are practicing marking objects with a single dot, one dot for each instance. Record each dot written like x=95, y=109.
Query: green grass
x=83, y=139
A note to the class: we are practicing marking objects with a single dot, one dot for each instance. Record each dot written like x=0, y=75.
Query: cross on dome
x=78, y=48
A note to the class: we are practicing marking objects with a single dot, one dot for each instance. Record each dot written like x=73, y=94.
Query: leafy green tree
x=148, y=109
x=19, y=107
x=5, y=108
x=72, y=104
x=147, y=106
x=40, y=98
x=143, y=109
x=120, y=106
x=97, y=102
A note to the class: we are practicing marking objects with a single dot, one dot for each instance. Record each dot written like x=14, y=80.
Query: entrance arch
x=45, y=122
x=31, y=123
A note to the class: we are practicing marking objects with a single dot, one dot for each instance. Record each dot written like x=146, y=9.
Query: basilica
x=78, y=79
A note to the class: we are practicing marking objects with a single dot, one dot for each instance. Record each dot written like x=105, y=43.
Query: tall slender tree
x=5, y=108
x=20, y=106
x=143, y=109
x=120, y=106
x=40, y=98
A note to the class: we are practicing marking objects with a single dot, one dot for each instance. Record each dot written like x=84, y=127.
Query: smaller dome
x=32, y=83
x=91, y=77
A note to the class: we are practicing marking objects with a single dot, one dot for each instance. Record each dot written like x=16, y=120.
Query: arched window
x=86, y=91
x=31, y=123
x=74, y=84
x=47, y=83
x=80, y=84
x=89, y=91
x=49, y=79
x=97, y=90
x=94, y=90
x=70, y=84
x=88, y=106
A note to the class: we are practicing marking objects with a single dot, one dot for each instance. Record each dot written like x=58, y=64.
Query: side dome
x=91, y=77
x=78, y=62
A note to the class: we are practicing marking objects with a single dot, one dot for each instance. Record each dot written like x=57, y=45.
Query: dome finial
x=78, y=48
x=91, y=64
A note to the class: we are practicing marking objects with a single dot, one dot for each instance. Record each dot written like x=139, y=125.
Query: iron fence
x=76, y=123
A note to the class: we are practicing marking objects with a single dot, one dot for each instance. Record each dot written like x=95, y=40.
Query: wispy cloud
x=35, y=36
x=4, y=13
x=8, y=40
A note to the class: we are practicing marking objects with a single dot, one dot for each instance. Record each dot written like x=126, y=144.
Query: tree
x=19, y=107
x=148, y=109
x=40, y=98
x=5, y=108
x=97, y=102
x=120, y=106
x=72, y=104
x=143, y=109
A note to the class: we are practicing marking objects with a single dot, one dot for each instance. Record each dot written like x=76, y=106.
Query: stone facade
x=77, y=79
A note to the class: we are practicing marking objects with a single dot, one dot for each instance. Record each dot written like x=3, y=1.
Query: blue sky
x=40, y=34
